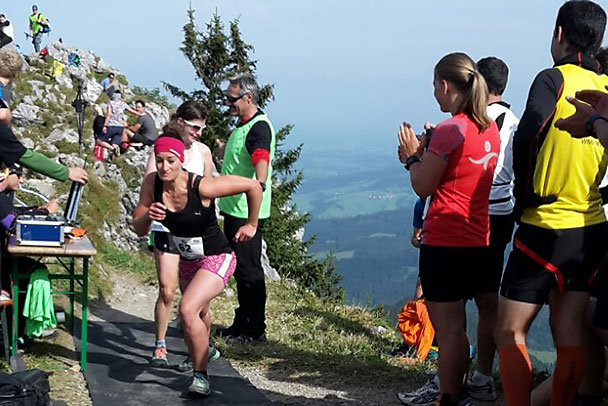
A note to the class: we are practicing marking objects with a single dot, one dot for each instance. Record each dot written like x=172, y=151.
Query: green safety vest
x=237, y=161
x=35, y=20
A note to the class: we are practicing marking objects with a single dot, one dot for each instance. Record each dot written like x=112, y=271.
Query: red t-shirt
x=458, y=213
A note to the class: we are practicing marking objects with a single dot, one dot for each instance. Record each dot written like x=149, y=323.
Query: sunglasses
x=233, y=100
x=197, y=127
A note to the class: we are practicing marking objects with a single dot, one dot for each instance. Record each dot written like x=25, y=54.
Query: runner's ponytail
x=460, y=70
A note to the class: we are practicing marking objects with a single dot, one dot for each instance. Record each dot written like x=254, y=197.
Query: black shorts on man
x=449, y=274
x=544, y=259
x=600, y=291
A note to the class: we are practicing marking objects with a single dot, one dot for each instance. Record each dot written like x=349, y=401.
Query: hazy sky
x=346, y=72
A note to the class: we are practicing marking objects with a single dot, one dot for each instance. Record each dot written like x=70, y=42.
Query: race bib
x=190, y=248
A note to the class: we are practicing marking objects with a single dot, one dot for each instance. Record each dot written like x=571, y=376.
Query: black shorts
x=164, y=243
x=112, y=136
x=137, y=137
x=600, y=290
x=449, y=274
x=501, y=233
x=543, y=260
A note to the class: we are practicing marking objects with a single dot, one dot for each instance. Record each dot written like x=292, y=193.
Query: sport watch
x=411, y=160
x=589, y=129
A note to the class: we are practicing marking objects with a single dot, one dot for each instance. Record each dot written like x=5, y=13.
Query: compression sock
x=516, y=374
x=569, y=369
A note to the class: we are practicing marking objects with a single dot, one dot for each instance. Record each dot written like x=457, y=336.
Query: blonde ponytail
x=460, y=70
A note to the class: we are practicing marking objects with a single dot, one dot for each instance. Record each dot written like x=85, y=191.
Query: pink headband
x=170, y=144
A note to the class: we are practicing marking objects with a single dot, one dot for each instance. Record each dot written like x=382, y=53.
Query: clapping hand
x=587, y=103
x=408, y=143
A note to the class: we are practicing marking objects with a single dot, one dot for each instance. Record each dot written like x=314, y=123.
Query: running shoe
x=423, y=399
x=159, y=358
x=485, y=392
x=427, y=394
x=186, y=364
x=200, y=384
x=466, y=401
x=429, y=386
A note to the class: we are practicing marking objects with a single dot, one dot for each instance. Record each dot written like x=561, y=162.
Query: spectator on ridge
x=109, y=84
x=115, y=121
x=38, y=22
x=480, y=384
x=249, y=152
x=457, y=171
x=560, y=241
x=144, y=131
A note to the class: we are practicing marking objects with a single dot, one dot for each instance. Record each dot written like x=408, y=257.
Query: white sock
x=479, y=379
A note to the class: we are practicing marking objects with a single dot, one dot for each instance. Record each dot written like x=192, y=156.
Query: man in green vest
x=37, y=23
x=249, y=152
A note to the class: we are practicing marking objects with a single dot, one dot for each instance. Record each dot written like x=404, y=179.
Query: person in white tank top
x=187, y=123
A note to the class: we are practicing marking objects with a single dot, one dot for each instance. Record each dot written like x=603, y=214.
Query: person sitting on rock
x=143, y=132
x=98, y=135
x=115, y=121
x=109, y=85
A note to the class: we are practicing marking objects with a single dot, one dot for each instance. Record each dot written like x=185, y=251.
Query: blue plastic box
x=39, y=231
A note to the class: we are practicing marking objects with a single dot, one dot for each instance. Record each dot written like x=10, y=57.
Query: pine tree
x=216, y=56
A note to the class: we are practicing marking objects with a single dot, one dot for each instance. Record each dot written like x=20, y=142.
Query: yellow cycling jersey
x=568, y=168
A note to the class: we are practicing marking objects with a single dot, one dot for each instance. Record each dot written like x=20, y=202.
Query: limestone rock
x=92, y=91
x=65, y=81
x=269, y=271
x=69, y=136
x=26, y=114
x=28, y=143
x=102, y=66
x=159, y=113
x=42, y=186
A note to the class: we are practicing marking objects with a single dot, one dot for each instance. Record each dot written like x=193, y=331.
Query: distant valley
x=363, y=214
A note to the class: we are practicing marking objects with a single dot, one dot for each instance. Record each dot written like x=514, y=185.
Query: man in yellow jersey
x=560, y=242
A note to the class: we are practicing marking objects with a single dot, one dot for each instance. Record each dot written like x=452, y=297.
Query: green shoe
x=200, y=384
x=214, y=354
x=186, y=364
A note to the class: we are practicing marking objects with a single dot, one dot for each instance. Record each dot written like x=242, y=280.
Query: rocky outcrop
x=47, y=104
x=26, y=114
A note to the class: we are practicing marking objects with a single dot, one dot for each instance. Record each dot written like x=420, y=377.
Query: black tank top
x=194, y=220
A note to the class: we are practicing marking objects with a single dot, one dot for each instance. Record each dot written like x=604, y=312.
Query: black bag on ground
x=26, y=388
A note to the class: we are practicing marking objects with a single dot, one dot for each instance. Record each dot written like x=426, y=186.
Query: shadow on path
x=119, y=373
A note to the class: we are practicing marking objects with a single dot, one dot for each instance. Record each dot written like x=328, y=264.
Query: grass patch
x=316, y=341
x=138, y=263
x=67, y=147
